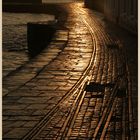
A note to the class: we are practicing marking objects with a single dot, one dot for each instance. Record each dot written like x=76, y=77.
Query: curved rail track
x=127, y=120
x=77, y=90
x=110, y=105
x=79, y=85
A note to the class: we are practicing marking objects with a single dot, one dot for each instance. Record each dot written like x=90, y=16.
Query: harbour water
x=14, y=38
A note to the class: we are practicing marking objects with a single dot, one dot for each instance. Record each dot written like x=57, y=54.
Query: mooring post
x=39, y=35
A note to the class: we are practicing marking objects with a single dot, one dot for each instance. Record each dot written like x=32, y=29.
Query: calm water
x=14, y=36
x=15, y=29
x=14, y=40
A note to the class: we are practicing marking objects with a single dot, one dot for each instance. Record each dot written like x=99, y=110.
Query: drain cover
x=95, y=87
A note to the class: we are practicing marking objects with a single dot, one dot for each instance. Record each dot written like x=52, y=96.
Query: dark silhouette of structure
x=121, y=12
x=95, y=4
x=39, y=35
x=22, y=1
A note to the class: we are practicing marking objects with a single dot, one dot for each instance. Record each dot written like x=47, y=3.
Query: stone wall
x=95, y=4
x=122, y=12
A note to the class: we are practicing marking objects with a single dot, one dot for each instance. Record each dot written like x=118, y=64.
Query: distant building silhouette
x=22, y=1
x=95, y=4
x=122, y=12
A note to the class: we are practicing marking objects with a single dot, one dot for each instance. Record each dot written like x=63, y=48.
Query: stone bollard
x=39, y=35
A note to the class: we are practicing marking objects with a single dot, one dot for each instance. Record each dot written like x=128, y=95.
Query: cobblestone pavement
x=77, y=88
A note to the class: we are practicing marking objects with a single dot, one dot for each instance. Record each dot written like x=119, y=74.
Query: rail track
x=127, y=115
x=78, y=90
x=79, y=86
x=102, y=126
x=108, y=111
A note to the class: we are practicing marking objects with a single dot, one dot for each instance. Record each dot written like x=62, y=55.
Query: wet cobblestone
x=45, y=100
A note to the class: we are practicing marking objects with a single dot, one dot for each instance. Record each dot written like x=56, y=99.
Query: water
x=14, y=40
x=15, y=29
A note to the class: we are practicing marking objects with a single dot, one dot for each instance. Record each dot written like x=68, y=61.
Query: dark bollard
x=39, y=35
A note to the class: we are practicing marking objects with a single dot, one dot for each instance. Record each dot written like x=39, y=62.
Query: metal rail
x=44, y=122
x=107, y=113
x=101, y=129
